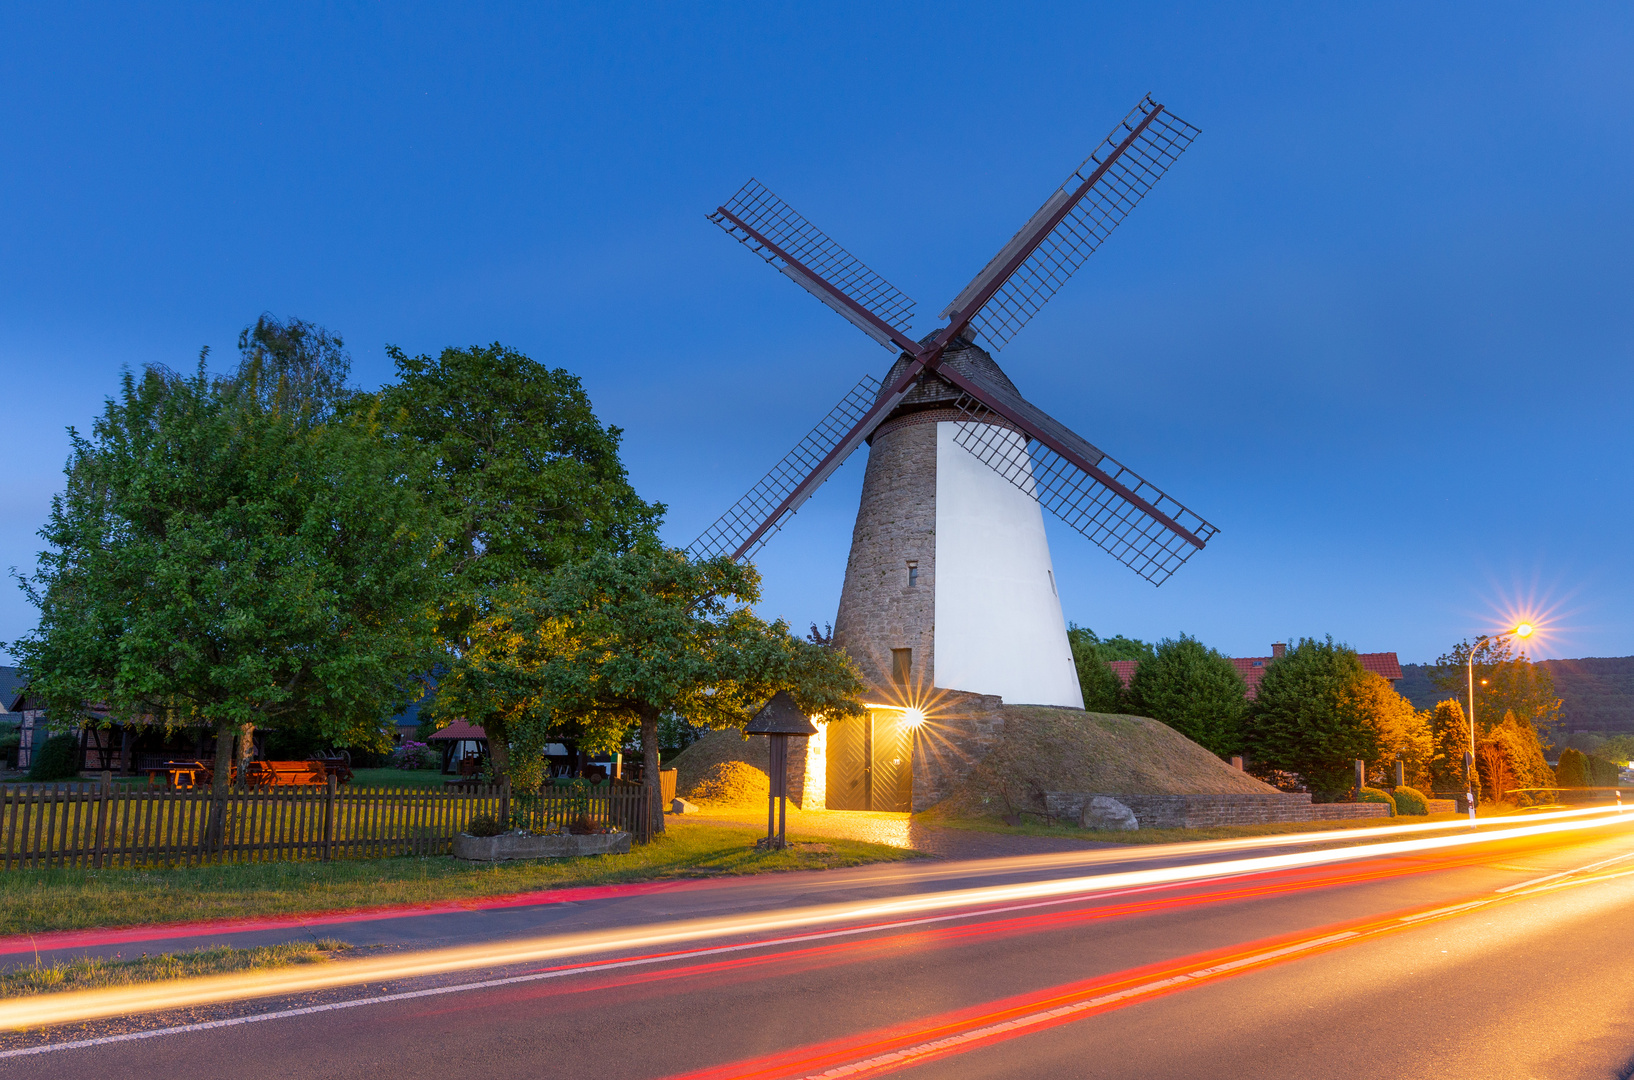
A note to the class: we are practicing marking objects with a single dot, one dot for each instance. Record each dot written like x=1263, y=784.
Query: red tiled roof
x=1253, y=668
x=459, y=729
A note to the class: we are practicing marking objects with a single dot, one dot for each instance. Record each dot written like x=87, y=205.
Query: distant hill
x=1596, y=692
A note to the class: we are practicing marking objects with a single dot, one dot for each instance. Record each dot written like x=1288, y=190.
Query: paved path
x=900, y=830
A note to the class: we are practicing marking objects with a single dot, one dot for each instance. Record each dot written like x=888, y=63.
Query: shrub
x=57, y=759
x=1573, y=770
x=1411, y=801
x=415, y=755
x=10, y=746
x=1373, y=794
x=484, y=825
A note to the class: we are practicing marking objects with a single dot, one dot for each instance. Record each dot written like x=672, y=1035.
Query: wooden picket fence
x=98, y=825
x=616, y=804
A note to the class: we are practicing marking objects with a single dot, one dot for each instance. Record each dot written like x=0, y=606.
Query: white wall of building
x=999, y=627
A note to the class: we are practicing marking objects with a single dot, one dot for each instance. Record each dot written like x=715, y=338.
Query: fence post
x=106, y=796
x=505, y=801
x=329, y=818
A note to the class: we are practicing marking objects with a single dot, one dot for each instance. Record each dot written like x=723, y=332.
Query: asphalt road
x=1351, y=969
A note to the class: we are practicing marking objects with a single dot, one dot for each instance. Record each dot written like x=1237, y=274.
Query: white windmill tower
x=949, y=585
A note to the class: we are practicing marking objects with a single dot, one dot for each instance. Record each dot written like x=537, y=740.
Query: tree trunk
x=246, y=747
x=499, y=751
x=649, y=769
x=221, y=775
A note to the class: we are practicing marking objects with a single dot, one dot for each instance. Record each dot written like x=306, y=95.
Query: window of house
x=913, y=573
x=901, y=665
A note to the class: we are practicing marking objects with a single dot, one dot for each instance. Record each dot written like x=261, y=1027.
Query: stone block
x=1103, y=812
x=540, y=846
x=681, y=806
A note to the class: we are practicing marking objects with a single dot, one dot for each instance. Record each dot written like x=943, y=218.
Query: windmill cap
x=780, y=716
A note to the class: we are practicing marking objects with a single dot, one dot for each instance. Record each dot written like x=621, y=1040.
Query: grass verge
x=94, y=973
x=1033, y=825
x=36, y=901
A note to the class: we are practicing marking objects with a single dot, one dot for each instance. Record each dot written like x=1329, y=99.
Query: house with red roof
x=1252, y=668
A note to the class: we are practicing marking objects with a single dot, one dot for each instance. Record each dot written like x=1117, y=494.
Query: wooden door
x=849, y=754
x=892, y=765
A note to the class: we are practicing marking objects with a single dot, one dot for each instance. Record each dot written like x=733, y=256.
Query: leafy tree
x=1398, y=729
x=1449, y=737
x=1505, y=681
x=1510, y=758
x=1194, y=690
x=1112, y=648
x=611, y=644
x=1617, y=748
x=226, y=555
x=1298, y=722
x=1103, y=690
x=526, y=480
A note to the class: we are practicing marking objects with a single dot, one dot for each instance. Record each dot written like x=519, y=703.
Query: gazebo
x=460, y=741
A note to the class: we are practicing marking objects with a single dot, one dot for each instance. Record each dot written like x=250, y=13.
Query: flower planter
x=529, y=846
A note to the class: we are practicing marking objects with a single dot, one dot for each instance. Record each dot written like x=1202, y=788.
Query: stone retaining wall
x=1203, y=811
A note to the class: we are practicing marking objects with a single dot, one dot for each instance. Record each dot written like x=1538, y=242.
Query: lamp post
x=1523, y=630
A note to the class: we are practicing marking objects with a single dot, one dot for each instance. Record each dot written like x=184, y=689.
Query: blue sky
x=1375, y=324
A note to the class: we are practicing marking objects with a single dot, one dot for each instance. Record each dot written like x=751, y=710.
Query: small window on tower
x=901, y=665
x=1052, y=582
x=913, y=573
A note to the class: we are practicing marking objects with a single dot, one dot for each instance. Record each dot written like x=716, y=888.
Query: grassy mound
x=714, y=748
x=730, y=783
x=1050, y=749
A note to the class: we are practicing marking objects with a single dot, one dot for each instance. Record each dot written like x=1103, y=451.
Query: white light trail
x=157, y=997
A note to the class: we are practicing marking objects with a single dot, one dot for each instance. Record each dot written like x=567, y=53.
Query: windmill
x=949, y=583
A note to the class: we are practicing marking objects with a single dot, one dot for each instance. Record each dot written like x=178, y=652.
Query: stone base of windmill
x=517, y=845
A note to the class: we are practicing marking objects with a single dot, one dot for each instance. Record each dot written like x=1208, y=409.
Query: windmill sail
x=1072, y=223
x=752, y=520
x=1131, y=519
x=775, y=231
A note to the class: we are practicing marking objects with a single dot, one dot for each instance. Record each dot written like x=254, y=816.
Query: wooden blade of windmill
x=1071, y=224
x=745, y=528
x=772, y=229
x=1129, y=517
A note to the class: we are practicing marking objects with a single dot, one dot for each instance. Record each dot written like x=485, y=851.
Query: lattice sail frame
x=730, y=530
x=765, y=213
x=1119, y=527
x=1086, y=225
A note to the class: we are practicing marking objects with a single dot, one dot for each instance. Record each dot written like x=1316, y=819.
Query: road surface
x=1508, y=957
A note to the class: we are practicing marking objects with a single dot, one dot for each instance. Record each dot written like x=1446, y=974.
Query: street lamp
x=1523, y=630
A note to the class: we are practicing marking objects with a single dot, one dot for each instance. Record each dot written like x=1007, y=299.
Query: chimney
x=1278, y=649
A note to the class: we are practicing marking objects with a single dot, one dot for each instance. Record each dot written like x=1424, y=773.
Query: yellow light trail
x=79, y=1006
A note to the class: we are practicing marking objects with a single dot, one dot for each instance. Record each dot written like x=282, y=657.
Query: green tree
x=1505, y=682
x=1102, y=689
x=227, y=556
x=1194, y=690
x=1398, y=729
x=1298, y=723
x=1112, y=648
x=614, y=642
x=1449, y=737
x=1509, y=759
x=525, y=479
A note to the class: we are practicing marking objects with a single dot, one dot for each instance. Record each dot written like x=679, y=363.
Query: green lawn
x=35, y=901
x=398, y=778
